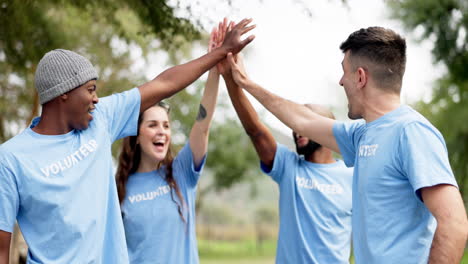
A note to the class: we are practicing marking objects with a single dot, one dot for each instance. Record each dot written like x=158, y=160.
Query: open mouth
x=159, y=145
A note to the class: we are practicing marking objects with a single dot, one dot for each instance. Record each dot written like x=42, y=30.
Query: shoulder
x=14, y=144
x=284, y=152
x=412, y=121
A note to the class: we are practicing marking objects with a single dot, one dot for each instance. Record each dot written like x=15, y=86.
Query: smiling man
x=406, y=204
x=57, y=178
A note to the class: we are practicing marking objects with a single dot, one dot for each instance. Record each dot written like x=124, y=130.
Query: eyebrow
x=152, y=120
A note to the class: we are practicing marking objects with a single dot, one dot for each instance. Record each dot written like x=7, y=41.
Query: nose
x=341, y=81
x=95, y=98
x=159, y=130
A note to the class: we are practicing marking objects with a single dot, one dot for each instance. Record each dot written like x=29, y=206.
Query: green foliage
x=32, y=28
x=106, y=31
x=236, y=160
x=446, y=23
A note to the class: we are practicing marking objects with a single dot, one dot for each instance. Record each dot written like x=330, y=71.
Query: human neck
x=321, y=155
x=52, y=122
x=148, y=164
x=378, y=103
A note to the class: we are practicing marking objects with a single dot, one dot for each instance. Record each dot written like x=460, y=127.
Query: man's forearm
x=291, y=114
x=5, y=240
x=260, y=135
x=178, y=77
x=448, y=244
x=244, y=109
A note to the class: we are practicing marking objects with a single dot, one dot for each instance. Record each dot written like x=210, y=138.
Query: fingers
x=246, y=41
x=231, y=60
x=212, y=41
x=245, y=30
x=224, y=26
x=231, y=26
x=244, y=22
x=220, y=31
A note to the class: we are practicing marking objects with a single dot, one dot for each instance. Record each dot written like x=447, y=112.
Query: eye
x=92, y=89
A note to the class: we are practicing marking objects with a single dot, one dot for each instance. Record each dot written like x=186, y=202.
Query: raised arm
x=201, y=129
x=5, y=240
x=178, y=77
x=296, y=116
x=261, y=137
x=446, y=205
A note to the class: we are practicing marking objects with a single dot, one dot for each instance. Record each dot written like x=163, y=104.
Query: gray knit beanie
x=60, y=71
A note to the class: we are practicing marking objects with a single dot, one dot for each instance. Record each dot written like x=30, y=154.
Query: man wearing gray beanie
x=57, y=178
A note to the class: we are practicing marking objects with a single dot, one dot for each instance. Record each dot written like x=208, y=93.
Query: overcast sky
x=296, y=51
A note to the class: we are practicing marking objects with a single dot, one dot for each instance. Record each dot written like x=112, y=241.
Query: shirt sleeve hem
x=6, y=227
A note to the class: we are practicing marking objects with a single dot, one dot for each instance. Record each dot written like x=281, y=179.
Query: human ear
x=362, y=76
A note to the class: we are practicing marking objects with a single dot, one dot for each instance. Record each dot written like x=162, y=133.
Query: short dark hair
x=380, y=51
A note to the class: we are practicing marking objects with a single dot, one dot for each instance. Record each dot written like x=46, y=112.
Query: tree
x=446, y=23
x=31, y=28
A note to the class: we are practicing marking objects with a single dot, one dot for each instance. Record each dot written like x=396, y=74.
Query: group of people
x=394, y=193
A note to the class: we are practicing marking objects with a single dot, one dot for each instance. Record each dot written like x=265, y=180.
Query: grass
x=236, y=249
x=246, y=252
x=238, y=261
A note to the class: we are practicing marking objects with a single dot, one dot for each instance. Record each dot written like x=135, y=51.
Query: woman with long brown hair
x=156, y=190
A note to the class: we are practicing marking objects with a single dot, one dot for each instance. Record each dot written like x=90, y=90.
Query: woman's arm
x=200, y=130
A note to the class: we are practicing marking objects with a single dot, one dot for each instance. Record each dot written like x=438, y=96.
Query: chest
x=331, y=186
x=79, y=167
x=150, y=199
x=377, y=164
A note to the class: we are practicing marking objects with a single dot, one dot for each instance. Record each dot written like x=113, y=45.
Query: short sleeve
x=283, y=157
x=185, y=165
x=347, y=136
x=424, y=157
x=9, y=199
x=121, y=111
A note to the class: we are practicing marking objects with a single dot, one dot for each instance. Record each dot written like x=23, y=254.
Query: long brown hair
x=129, y=160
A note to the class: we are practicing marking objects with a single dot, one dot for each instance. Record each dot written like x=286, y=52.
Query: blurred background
x=295, y=55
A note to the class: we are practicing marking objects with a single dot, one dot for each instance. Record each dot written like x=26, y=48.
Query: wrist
x=227, y=74
x=247, y=84
x=223, y=51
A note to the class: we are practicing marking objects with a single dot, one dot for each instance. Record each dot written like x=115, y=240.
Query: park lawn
x=238, y=261
x=246, y=249
x=246, y=252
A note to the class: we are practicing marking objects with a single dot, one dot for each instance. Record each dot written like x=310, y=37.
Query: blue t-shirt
x=61, y=188
x=315, y=209
x=393, y=158
x=154, y=230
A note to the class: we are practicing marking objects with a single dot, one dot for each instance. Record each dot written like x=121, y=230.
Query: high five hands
x=232, y=33
x=233, y=64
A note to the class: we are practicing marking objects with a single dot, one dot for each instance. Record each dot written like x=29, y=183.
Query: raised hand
x=238, y=70
x=232, y=42
x=212, y=43
x=223, y=28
